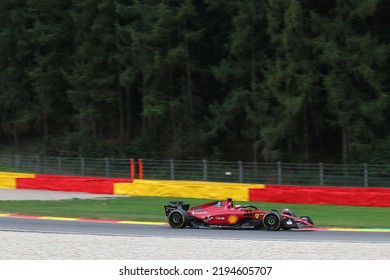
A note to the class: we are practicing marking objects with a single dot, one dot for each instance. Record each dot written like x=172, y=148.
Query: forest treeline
x=251, y=80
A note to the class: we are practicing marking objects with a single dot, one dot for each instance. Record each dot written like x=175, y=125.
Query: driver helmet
x=288, y=212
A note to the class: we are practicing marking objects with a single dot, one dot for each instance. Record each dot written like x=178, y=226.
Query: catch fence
x=319, y=174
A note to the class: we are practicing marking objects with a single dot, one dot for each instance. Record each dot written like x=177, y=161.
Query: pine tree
x=128, y=75
x=49, y=42
x=353, y=62
x=14, y=83
x=241, y=113
x=291, y=82
x=162, y=38
x=94, y=90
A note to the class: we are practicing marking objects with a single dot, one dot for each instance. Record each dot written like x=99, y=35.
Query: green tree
x=128, y=75
x=291, y=81
x=240, y=114
x=14, y=82
x=94, y=93
x=353, y=64
x=49, y=39
x=164, y=36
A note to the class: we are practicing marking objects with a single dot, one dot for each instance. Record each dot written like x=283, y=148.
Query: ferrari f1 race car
x=223, y=214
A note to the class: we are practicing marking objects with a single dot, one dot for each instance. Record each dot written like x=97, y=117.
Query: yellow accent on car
x=233, y=219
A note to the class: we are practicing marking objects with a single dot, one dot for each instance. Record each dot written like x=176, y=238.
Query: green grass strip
x=151, y=209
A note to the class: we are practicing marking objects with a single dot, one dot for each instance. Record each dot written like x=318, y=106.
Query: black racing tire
x=272, y=221
x=178, y=218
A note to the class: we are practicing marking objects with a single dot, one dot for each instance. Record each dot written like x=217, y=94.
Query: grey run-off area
x=52, y=246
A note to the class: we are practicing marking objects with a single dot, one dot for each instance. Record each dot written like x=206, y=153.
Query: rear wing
x=173, y=205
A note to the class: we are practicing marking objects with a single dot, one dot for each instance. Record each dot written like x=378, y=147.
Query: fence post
x=365, y=174
x=131, y=169
x=279, y=172
x=321, y=166
x=204, y=170
x=82, y=163
x=39, y=166
x=240, y=172
x=140, y=169
x=172, y=169
x=59, y=165
x=107, y=167
x=17, y=162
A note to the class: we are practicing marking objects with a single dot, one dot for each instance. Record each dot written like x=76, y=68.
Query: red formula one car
x=223, y=214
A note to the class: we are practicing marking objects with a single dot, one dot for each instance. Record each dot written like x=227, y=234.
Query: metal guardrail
x=202, y=170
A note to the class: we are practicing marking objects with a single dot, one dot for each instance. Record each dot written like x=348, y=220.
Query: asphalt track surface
x=128, y=228
x=56, y=238
x=149, y=230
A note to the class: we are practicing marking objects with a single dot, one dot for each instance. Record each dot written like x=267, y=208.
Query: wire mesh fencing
x=317, y=174
x=96, y=167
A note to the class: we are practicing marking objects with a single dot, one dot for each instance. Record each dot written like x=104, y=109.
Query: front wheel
x=178, y=218
x=272, y=221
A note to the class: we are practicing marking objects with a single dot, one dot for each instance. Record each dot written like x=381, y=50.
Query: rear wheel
x=272, y=221
x=178, y=218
